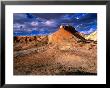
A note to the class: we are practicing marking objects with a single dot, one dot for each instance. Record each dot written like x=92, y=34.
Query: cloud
x=49, y=23
x=66, y=17
x=34, y=24
x=18, y=26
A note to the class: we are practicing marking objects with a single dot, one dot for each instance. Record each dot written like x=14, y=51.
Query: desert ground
x=53, y=55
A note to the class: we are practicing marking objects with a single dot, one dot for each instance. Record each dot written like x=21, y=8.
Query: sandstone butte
x=66, y=36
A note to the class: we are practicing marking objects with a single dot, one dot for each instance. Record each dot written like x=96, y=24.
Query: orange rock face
x=66, y=35
x=60, y=36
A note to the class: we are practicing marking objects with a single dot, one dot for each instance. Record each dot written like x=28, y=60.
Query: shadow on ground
x=78, y=73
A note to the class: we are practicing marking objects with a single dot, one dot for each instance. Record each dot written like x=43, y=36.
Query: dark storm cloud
x=46, y=23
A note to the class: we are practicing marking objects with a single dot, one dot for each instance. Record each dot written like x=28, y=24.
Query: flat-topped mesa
x=65, y=35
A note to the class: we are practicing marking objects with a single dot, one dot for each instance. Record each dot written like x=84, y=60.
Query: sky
x=31, y=24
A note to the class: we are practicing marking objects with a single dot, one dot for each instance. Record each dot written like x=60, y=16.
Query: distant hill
x=27, y=39
x=92, y=36
x=26, y=42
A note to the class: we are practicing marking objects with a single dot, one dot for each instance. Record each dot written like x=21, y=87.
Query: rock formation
x=27, y=39
x=66, y=37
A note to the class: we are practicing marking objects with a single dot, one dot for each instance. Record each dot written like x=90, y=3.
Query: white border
x=101, y=54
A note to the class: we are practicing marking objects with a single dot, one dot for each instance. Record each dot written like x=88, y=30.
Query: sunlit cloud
x=77, y=18
x=49, y=23
x=34, y=24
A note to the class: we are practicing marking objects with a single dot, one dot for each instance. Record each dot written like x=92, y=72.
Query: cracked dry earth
x=50, y=60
